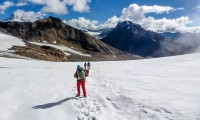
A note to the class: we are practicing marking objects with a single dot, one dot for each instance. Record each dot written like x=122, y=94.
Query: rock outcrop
x=40, y=52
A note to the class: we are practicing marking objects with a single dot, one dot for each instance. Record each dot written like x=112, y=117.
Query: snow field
x=7, y=41
x=65, y=49
x=152, y=89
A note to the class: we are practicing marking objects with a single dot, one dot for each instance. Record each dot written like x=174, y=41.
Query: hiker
x=85, y=65
x=88, y=65
x=81, y=75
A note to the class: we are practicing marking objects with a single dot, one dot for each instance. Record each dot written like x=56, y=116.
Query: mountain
x=132, y=38
x=53, y=31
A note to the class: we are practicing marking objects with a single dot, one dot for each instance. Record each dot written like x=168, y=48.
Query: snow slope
x=7, y=41
x=65, y=49
x=151, y=89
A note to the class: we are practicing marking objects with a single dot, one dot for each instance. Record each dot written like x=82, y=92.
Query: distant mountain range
x=124, y=41
x=52, y=30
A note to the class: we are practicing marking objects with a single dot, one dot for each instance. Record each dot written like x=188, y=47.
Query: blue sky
x=96, y=13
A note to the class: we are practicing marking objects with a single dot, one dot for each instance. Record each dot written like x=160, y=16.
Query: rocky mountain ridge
x=132, y=38
x=52, y=30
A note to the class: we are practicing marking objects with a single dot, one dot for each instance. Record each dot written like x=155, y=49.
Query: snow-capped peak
x=125, y=23
x=22, y=16
x=15, y=17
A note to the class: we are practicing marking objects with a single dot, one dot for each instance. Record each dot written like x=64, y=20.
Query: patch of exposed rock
x=40, y=52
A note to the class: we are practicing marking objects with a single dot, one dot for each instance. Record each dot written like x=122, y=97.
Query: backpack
x=81, y=74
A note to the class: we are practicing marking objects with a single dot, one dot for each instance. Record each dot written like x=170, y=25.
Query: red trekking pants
x=82, y=84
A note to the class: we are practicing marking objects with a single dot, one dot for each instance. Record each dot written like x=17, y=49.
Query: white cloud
x=51, y=6
x=138, y=14
x=176, y=9
x=190, y=29
x=164, y=24
x=82, y=23
x=28, y=16
x=60, y=6
x=92, y=24
x=37, y=1
x=79, y=5
x=54, y=6
x=110, y=23
x=8, y=4
x=21, y=4
x=5, y=6
x=197, y=7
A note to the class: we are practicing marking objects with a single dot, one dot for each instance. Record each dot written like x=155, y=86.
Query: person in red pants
x=80, y=74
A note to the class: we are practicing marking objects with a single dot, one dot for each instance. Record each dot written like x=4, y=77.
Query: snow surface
x=152, y=89
x=65, y=49
x=7, y=41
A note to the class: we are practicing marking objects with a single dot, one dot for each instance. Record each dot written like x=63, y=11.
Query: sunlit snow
x=152, y=89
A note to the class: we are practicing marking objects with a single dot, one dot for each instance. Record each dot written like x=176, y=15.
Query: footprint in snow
x=87, y=109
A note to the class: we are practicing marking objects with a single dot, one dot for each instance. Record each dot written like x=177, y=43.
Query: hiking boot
x=77, y=95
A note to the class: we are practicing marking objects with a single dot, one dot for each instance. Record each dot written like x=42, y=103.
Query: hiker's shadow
x=50, y=105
